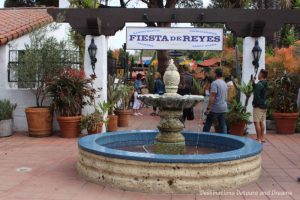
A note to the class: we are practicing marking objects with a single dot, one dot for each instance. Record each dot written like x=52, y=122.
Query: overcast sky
x=120, y=37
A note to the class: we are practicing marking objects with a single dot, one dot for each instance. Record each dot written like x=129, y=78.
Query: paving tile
x=133, y=196
x=111, y=194
x=54, y=175
x=183, y=197
x=157, y=197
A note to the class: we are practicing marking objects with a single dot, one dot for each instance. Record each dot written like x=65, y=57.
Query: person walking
x=217, y=105
x=185, y=88
x=260, y=104
x=138, y=85
x=159, y=88
x=206, y=92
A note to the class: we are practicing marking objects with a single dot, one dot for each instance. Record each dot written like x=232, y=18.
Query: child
x=136, y=104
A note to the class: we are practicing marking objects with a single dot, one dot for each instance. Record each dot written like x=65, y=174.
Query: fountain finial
x=171, y=79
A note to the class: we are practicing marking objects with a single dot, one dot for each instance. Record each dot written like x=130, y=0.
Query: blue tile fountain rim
x=241, y=147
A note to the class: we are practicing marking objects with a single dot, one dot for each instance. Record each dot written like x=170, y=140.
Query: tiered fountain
x=168, y=160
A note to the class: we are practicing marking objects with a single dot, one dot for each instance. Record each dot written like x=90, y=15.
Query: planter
x=69, y=126
x=237, y=128
x=285, y=122
x=98, y=129
x=6, y=127
x=39, y=121
x=270, y=125
x=112, y=124
x=123, y=117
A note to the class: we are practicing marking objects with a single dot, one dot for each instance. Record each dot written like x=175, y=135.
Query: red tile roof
x=15, y=22
x=210, y=62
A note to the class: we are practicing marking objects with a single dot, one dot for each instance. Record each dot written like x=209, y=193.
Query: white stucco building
x=16, y=25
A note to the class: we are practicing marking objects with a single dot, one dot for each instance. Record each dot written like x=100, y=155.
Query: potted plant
x=70, y=91
x=284, y=103
x=6, y=116
x=123, y=110
x=113, y=97
x=92, y=122
x=237, y=118
x=42, y=59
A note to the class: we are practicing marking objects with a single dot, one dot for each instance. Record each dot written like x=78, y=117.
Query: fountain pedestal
x=170, y=140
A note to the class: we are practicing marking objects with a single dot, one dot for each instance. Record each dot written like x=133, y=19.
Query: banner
x=174, y=38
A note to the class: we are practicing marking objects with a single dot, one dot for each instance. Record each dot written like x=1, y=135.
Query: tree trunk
x=162, y=55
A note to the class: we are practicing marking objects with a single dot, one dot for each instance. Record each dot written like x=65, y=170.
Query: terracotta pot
x=112, y=124
x=237, y=128
x=39, y=121
x=69, y=126
x=285, y=122
x=98, y=129
x=123, y=117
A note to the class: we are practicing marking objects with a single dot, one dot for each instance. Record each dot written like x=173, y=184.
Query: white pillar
x=64, y=4
x=248, y=70
x=100, y=68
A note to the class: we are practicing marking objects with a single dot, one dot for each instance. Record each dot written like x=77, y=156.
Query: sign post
x=162, y=38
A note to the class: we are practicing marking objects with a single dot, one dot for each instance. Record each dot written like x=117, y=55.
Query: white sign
x=174, y=38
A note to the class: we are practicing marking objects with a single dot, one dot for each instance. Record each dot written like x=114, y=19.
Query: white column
x=100, y=68
x=64, y=4
x=248, y=70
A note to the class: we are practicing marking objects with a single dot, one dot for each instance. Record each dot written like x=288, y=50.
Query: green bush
x=237, y=113
x=284, y=93
x=6, y=109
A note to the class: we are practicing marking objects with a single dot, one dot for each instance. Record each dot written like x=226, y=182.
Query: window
x=72, y=59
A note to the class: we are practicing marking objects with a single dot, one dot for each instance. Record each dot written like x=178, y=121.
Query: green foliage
x=197, y=88
x=237, y=113
x=284, y=93
x=78, y=41
x=125, y=93
x=43, y=58
x=113, y=94
x=288, y=35
x=229, y=4
x=150, y=78
x=104, y=107
x=90, y=121
x=247, y=90
x=30, y=3
x=6, y=109
x=84, y=3
x=71, y=91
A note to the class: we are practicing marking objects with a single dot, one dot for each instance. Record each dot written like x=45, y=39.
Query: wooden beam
x=237, y=20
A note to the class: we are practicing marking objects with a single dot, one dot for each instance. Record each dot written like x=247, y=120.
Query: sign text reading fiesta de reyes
x=174, y=38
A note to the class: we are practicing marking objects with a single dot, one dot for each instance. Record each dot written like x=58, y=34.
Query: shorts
x=259, y=115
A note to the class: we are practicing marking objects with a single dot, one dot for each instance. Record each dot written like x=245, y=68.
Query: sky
x=117, y=40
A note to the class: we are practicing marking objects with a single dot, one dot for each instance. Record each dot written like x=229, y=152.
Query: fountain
x=170, y=140
x=169, y=160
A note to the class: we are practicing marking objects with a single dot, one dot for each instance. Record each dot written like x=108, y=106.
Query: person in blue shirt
x=138, y=84
x=159, y=88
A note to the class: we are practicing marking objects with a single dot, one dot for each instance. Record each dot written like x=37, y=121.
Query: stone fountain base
x=239, y=164
x=170, y=140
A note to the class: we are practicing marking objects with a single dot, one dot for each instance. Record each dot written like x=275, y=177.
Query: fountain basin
x=101, y=162
x=171, y=101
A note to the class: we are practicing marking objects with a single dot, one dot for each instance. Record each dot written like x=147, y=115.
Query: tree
x=43, y=58
x=30, y=3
